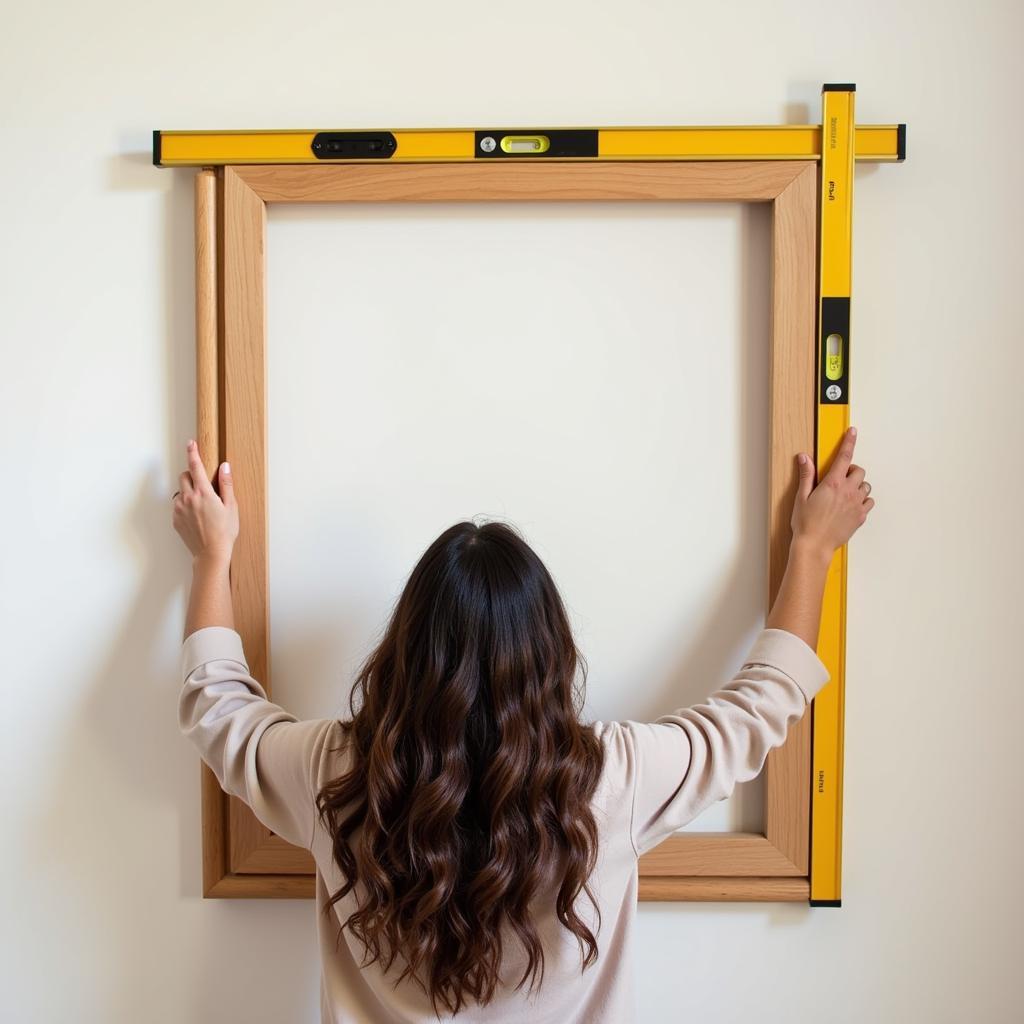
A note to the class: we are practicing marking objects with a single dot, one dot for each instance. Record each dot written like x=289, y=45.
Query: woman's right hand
x=827, y=516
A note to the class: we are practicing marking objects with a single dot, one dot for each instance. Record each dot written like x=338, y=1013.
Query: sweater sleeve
x=687, y=760
x=258, y=751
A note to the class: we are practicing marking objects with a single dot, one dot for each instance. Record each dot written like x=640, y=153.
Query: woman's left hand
x=206, y=522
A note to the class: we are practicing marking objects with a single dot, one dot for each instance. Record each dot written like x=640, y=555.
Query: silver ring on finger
x=174, y=495
x=867, y=488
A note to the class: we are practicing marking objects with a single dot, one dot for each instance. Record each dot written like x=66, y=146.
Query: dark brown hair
x=470, y=770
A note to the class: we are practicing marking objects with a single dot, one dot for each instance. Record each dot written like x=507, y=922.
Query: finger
x=855, y=474
x=227, y=484
x=197, y=469
x=805, y=469
x=869, y=504
x=185, y=483
x=841, y=463
x=865, y=488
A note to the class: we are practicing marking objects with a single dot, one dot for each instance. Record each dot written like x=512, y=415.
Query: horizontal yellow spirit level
x=885, y=142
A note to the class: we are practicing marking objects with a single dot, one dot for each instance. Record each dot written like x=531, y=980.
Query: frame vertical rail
x=244, y=431
x=207, y=313
x=792, y=370
x=214, y=802
x=833, y=396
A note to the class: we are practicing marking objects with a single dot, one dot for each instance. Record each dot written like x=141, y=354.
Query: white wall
x=102, y=921
x=595, y=372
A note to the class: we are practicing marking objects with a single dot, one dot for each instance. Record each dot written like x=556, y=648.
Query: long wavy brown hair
x=470, y=770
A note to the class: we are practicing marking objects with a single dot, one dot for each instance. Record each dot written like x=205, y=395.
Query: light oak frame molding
x=241, y=857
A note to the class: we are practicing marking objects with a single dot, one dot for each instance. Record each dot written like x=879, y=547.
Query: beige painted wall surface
x=102, y=919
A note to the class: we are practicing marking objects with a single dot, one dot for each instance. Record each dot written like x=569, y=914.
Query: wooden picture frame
x=241, y=857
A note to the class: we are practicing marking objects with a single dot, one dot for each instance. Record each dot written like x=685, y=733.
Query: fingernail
x=853, y=431
x=801, y=458
x=227, y=469
x=191, y=443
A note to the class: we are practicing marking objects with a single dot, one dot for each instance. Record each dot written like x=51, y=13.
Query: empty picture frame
x=241, y=857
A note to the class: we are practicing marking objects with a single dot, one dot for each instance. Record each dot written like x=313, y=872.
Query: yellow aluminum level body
x=835, y=240
x=756, y=142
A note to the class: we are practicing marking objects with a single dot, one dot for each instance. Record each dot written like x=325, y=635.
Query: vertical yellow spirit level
x=833, y=386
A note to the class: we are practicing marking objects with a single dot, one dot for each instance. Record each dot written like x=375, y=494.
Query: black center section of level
x=563, y=142
x=835, y=319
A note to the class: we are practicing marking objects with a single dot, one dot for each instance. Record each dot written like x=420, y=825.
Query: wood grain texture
x=244, y=415
x=208, y=383
x=740, y=854
x=792, y=364
x=723, y=181
x=277, y=887
x=207, y=317
x=721, y=890
x=687, y=866
x=214, y=804
x=276, y=855
x=245, y=399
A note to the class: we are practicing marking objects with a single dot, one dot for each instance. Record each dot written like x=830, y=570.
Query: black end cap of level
x=901, y=142
x=826, y=903
x=156, y=148
x=839, y=87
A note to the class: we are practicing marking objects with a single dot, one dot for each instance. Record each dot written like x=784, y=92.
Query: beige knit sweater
x=658, y=776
